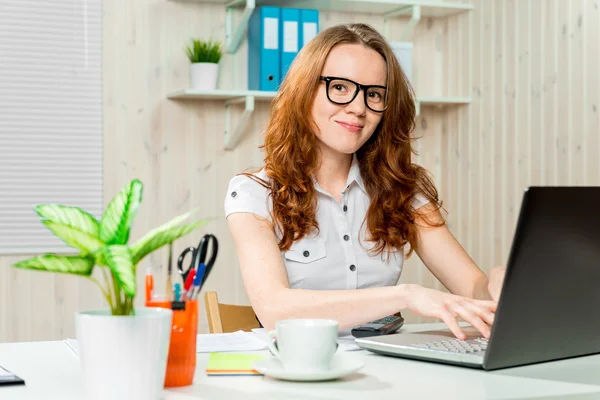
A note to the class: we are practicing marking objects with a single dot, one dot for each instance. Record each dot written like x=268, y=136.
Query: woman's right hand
x=446, y=306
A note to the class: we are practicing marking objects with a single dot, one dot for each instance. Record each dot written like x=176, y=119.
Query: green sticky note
x=232, y=363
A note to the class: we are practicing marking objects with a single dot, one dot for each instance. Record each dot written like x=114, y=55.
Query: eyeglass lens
x=341, y=91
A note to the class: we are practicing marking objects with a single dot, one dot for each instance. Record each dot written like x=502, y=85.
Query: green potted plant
x=123, y=350
x=204, y=56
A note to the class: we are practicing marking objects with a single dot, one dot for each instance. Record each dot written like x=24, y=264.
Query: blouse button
x=233, y=194
x=345, y=208
x=353, y=268
x=346, y=238
x=306, y=253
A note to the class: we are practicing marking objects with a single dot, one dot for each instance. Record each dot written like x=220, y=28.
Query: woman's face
x=345, y=128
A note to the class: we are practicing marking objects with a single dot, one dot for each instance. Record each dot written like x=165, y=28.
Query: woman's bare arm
x=267, y=285
x=447, y=259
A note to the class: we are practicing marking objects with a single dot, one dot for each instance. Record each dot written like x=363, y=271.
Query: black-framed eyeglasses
x=343, y=91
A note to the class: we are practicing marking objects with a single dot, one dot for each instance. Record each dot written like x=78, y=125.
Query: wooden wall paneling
x=563, y=44
x=475, y=40
x=429, y=61
x=591, y=84
x=521, y=174
x=487, y=144
x=66, y=293
x=455, y=152
x=492, y=145
x=463, y=76
x=496, y=168
x=211, y=199
x=535, y=126
x=577, y=110
x=145, y=145
x=509, y=143
x=448, y=44
x=22, y=299
x=549, y=110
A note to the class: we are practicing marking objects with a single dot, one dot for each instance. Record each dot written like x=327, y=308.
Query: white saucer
x=340, y=366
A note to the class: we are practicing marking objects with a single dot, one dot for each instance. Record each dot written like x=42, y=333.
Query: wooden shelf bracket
x=406, y=32
x=234, y=39
x=414, y=20
x=232, y=137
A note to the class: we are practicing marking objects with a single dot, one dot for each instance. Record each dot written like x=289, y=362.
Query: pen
x=169, y=271
x=189, y=294
x=205, y=277
x=190, y=279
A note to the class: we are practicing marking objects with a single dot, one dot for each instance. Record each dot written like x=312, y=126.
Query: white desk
x=51, y=371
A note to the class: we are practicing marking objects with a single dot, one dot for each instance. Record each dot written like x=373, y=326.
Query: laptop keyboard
x=455, y=345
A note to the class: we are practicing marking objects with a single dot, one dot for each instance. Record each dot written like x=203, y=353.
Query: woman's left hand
x=495, y=279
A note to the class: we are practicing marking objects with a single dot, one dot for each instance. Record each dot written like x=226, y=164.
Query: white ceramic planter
x=124, y=357
x=204, y=76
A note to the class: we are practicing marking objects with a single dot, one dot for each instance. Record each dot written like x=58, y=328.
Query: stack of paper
x=206, y=343
x=229, y=364
x=72, y=344
x=235, y=341
x=348, y=343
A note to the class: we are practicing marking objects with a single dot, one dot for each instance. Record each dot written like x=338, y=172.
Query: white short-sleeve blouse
x=336, y=257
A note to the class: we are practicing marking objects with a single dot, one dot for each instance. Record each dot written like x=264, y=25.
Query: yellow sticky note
x=232, y=364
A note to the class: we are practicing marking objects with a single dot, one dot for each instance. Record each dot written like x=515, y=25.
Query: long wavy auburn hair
x=385, y=160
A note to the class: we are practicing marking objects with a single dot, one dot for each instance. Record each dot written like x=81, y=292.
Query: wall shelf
x=249, y=97
x=398, y=7
x=415, y=9
x=191, y=94
x=440, y=102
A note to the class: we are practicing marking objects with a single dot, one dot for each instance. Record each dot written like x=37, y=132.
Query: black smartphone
x=383, y=326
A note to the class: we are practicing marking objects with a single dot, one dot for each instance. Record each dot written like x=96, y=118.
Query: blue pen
x=197, y=281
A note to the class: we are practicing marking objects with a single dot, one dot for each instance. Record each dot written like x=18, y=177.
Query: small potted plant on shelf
x=204, y=56
x=123, y=351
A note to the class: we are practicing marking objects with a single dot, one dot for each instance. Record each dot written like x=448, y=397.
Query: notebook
x=232, y=364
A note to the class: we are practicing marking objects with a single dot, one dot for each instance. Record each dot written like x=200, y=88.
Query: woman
x=321, y=230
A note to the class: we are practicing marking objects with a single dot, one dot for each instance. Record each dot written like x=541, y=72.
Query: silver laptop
x=548, y=308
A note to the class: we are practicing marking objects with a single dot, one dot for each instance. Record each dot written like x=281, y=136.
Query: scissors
x=198, y=260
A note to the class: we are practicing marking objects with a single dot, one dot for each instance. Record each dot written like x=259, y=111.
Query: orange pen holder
x=181, y=363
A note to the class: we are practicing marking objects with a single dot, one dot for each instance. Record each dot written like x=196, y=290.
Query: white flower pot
x=204, y=76
x=124, y=357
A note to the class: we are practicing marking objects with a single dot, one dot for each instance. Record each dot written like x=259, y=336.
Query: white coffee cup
x=305, y=345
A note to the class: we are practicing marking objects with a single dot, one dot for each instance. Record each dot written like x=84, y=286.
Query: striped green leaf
x=118, y=258
x=74, y=237
x=71, y=216
x=64, y=264
x=174, y=222
x=164, y=227
x=99, y=258
x=161, y=236
x=118, y=216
